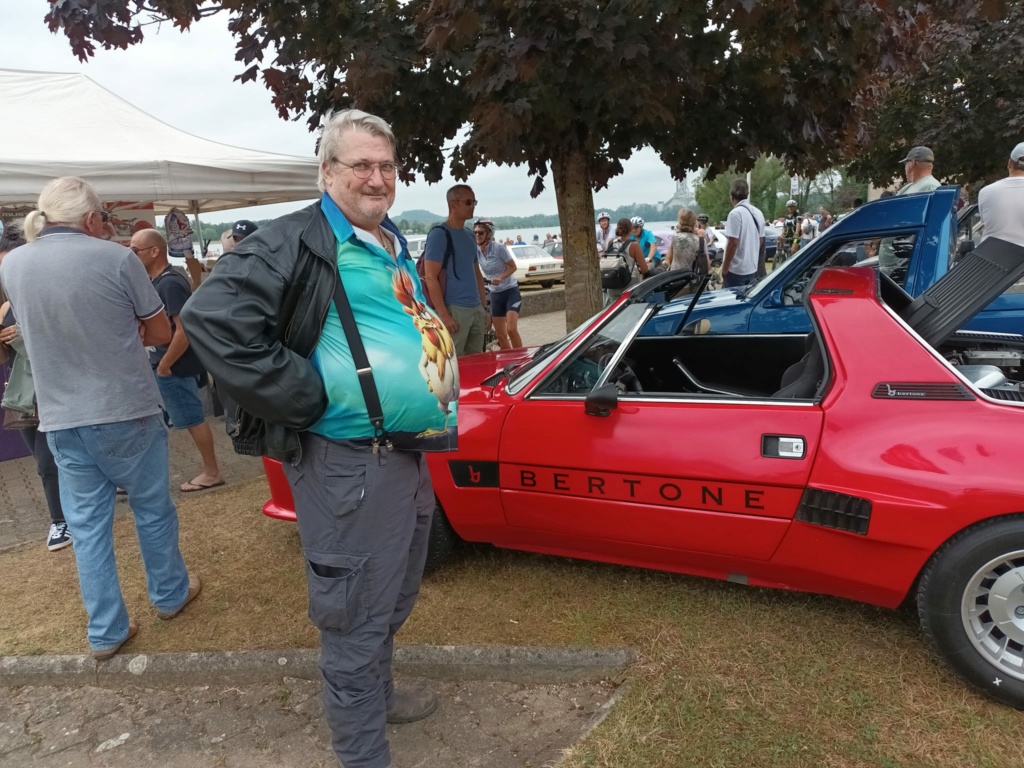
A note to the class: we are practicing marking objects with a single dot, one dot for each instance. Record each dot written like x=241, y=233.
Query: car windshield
x=529, y=252
x=762, y=284
x=529, y=370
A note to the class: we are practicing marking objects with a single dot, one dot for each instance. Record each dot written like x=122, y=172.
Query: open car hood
x=971, y=285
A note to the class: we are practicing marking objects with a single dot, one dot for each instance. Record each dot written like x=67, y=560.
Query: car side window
x=970, y=228
x=581, y=372
x=891, y=255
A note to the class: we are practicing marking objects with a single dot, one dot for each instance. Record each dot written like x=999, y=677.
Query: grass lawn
x=727, y=676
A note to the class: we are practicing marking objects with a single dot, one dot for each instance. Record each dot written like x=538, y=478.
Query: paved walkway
x=23, y=516
x=485, y=724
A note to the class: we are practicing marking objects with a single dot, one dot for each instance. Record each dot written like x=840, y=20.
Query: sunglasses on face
x=104, y=216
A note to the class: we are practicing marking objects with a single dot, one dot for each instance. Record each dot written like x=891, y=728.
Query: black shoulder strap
x=363, y=370
x=449, y=250
x=750, y=213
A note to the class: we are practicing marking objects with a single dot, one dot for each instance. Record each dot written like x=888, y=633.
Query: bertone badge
x=903, y=392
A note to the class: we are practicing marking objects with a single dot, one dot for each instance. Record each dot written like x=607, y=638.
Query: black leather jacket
x=256, y=321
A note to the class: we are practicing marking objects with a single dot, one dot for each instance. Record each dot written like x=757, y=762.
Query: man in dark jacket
x=267, y=325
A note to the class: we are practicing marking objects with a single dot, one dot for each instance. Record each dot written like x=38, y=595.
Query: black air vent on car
x=1010, y=395
x=834, y=510
x=493, y=379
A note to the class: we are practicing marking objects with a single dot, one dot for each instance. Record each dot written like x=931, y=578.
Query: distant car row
x=535, y=265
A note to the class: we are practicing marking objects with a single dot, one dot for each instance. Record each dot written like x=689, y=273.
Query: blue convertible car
x=914, y=239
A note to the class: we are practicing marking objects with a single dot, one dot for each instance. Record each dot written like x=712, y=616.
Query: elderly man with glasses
x=452, y=274
x=317, y=327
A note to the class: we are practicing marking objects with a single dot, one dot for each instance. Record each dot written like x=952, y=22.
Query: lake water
x=528, y=234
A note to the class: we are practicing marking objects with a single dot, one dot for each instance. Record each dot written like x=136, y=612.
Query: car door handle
x=782, y=447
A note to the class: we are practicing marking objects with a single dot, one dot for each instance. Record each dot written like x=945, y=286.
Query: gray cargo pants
x=364, y=521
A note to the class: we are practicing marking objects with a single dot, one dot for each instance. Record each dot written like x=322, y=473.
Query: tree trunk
x=571, y=170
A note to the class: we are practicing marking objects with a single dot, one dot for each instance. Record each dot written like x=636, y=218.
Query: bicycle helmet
x=702, y=218
x=791, y=203
x=636, y=221
x=486, y=224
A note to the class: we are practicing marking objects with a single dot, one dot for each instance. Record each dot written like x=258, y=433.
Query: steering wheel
x=626, y=380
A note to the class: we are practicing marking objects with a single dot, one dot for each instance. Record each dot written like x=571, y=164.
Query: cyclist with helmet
x=605, y=231
x=648, y=242
x=789, y=240
x=499, y=269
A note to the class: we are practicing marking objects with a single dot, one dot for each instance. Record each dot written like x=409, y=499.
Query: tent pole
x=195, y=268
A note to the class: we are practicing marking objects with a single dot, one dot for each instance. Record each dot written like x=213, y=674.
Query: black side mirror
x=602, y=400
x=963, y=248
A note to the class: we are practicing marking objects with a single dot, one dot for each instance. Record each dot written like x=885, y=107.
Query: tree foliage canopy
x=573, y=87
x=964, y=101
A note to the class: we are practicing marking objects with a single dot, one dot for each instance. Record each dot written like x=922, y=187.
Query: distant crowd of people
x=630, y=248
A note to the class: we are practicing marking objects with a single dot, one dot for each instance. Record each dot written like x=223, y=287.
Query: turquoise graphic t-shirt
x=410, y=351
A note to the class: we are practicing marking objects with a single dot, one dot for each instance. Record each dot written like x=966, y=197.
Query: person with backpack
x=622, y=264
x=452, y=279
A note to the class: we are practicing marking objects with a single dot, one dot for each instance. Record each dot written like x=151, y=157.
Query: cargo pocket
x=345, y=483
x=337, y=591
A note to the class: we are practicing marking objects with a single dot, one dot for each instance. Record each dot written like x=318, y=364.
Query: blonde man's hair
x=67, y=200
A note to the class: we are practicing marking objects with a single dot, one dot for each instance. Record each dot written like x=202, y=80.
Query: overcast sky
x=186, y=80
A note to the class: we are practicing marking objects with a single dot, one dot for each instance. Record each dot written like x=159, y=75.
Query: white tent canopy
x=56, y=124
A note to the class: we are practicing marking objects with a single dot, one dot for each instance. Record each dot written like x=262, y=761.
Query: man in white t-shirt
x=744, y=229
x=1001, y=204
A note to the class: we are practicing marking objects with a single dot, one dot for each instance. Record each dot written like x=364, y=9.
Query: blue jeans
x=732, y=280
x=92, y=463
x=181, y=400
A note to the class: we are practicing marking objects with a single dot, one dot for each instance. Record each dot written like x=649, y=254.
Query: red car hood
x=475, y=369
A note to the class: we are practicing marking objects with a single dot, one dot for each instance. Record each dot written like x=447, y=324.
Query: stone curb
x=543, y=301
x=501, y=663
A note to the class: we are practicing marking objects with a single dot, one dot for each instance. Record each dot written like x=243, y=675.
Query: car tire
x=983, y=642
x=442, y=540
x=547, y=283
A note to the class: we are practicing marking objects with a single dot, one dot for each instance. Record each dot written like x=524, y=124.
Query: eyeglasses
x=365, y=170
x=137, y=251
x=471, y=202
x=104, y=216
x=479, y=232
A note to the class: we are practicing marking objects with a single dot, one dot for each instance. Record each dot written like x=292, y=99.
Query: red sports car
x=878, y=458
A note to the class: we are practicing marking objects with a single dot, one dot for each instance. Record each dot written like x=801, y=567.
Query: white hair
x=67, y=200
x=347, y=120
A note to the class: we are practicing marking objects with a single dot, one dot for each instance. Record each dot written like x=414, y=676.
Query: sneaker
x=59, y=537
x=411, y=702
